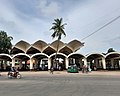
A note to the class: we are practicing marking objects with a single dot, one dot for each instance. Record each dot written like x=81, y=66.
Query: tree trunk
x=56, y=53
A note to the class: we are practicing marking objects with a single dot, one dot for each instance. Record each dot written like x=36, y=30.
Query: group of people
x=84, y=69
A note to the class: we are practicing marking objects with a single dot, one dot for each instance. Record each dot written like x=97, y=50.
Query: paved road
x=61, y=84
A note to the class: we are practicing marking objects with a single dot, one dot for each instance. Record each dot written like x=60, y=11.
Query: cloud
x=85, y=19
x=49, y=8
x=82, y=17
x=20, y=26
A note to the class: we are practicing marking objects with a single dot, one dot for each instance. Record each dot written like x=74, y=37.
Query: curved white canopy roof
x=42, y=47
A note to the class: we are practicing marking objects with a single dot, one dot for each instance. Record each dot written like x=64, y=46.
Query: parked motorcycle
x=14, y=75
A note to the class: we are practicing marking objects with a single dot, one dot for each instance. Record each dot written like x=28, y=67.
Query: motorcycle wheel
x=19, y=76
x=9, y=76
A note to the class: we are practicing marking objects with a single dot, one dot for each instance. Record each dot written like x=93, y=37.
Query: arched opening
x=113, y=61
x=40, y=62
x=59, y=64
x=5, y=62
x=95, y=61
x=20, y=62
x=76, y=59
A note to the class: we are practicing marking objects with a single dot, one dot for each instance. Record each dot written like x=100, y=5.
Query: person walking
x=51, y=70
x=84, y=69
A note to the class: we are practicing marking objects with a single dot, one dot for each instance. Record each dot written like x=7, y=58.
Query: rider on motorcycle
x=13, y=71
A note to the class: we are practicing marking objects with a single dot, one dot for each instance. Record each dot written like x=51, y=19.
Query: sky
x=31, y=20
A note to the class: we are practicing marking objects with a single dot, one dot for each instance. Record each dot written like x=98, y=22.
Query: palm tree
x=5, y=42
x=58, y=28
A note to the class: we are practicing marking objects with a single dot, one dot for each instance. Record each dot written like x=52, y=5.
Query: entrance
x=42, y=64
x=77, y=60
x=59, y=64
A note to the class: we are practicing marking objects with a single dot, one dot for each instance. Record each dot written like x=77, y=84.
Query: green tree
x=58, y=30
x=110, y=50
x=5, y=42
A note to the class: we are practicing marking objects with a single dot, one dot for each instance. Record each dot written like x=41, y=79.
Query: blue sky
x=30, y=20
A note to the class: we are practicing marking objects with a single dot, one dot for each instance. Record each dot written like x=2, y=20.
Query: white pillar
x=31, y=64
x=35, y=63
x=13, y=62
x=49, y=63
x=66, y=62
x=73, y=60
x=104, y=63
x=8, y=63
x=85, y=61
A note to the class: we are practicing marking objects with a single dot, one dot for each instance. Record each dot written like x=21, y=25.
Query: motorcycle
x=14, y=75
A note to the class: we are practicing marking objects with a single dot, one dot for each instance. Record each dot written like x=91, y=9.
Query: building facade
x=40, y=56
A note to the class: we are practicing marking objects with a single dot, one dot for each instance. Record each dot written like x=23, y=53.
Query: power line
x=101, y=27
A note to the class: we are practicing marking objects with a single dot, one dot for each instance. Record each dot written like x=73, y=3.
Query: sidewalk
x=104, y=73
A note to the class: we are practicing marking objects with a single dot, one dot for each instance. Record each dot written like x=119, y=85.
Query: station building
x=41, y=55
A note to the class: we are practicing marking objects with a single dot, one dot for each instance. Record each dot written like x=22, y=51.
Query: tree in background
x=110, y=50
x=5, y=42
x=58, y=31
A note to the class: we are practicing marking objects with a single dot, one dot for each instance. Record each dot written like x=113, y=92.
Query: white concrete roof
x=42, y=46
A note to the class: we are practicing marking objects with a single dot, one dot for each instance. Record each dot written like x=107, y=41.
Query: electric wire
x=101, y=28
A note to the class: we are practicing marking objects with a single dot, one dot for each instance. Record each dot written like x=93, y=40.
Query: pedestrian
x=84, y=69
x=51, y=70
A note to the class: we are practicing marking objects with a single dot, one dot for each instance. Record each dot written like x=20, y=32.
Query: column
x=49, y=63
x=85, y=61
x=31, y=64
x=104, y=63
x=13, y=62
x=66, y=63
